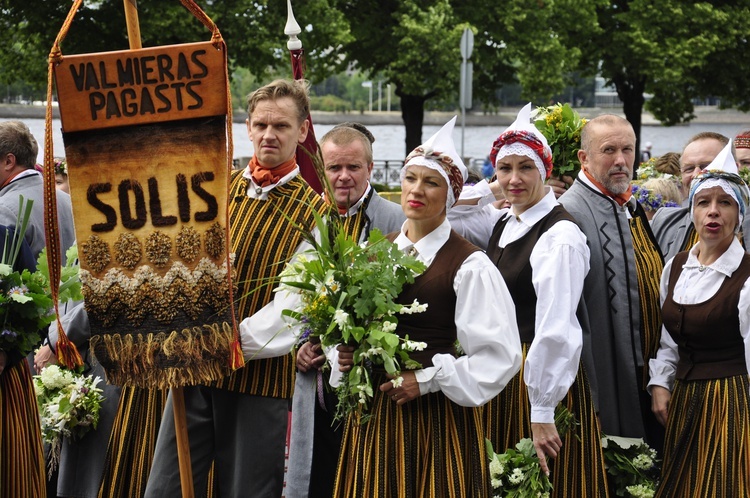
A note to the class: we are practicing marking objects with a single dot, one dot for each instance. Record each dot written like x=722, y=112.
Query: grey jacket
x=32, y=187
x=611, y=308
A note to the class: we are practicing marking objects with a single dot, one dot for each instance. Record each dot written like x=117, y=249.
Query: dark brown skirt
x=429, y=447
x=21, y=454
x=707, y=446
x=578, y=471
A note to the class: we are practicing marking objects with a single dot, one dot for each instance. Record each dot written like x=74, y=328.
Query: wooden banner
x=145, y=135
x=133, y=87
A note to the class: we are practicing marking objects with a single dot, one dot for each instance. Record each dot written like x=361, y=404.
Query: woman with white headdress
x=543, y=257
x=424, y=439
x=699, y=378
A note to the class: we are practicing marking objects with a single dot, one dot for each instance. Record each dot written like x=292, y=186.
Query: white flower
x=54, y=377
x=389, y=327
x=5, y=270
x=397, y=381
x=496, y=483
x=643, y=462
x=496, y=466
x=640, y=491
x=341, y=317
x=414, y=307
x=414, y=345
x=374, y=352
x=20, y=294
x=516, y=476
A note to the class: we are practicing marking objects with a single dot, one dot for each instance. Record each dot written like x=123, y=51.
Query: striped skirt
x=132, y=442
x=578, y=471
x=707, y=446
x=429, y=447
x=21, y=453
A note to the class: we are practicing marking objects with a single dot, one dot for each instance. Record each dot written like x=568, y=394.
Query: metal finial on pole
x=292, y=29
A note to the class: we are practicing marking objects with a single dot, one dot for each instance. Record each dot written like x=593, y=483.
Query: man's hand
x=547, y=443
x=407, y=390
x=660, y=403
x=310, y=356
x=43, y=357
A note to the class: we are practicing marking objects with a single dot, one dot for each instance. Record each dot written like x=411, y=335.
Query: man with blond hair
x=240, y=423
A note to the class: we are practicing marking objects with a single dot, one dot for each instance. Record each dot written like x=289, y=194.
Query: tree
x=253, y=30
x=414, y=44
x=676, y=51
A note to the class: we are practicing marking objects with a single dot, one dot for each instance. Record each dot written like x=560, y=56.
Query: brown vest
x=437, y=325
x=515, y=266
x=707, y=334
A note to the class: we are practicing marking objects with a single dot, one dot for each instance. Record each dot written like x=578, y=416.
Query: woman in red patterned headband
x=423, y=423
x=543, y=257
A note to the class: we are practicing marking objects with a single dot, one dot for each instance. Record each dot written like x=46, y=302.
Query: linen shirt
x=694, y=287
x=559, y=263
x=485, y=323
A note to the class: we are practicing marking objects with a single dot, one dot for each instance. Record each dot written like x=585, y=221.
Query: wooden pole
x=131, y=19
x=183, y=444
x=178, y=397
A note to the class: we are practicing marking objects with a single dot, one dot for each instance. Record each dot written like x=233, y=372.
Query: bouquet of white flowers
x=632, y=466
x=69, y=405
x=516, y=473
x=348, y=296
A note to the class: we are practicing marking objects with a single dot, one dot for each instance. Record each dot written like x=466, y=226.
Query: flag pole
x=309, y=147
x=178, y=398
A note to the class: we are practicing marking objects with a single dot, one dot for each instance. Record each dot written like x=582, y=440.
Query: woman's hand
x=406, y=391
x=346, y=357
x=660, y=403
x=310, y=356
x=547, y=443
x=43, y=357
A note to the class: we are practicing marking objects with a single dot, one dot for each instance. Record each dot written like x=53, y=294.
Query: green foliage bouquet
x=516, y=473
x=632, y=466
x=561, y=126
x=69, y=404
x=348, y=294
x=25, y=303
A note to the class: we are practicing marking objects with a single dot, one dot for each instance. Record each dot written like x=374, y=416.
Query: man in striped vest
x=240, y=422
x=621, y=292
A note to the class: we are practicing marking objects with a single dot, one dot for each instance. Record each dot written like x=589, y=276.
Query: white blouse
x=559, y=263
x=486, y=326
x=694, y=287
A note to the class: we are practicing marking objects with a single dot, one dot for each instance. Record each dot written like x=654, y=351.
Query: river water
x=477, y=140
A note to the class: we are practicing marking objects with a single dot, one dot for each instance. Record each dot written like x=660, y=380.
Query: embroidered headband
x=529, y=139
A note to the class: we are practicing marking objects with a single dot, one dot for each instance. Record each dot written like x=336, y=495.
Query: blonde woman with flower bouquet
x=543, y=257
x=424, y=438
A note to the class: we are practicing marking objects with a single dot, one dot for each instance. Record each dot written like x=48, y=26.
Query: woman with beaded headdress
x=425, y=438
x=699, y=378
x=543, y=257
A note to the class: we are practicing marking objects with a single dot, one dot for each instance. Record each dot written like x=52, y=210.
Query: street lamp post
x=368, y=84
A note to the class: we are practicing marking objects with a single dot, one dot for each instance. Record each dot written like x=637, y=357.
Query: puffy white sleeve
x=486, y=325
x=744, y=308
x=559, y=262
x=475, y=222
x=662, y=367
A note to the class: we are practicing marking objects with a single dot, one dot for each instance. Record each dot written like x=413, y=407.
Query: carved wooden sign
x=145, y=140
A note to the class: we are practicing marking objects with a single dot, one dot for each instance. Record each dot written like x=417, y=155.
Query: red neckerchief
x=264, y=177
x=620, y=199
